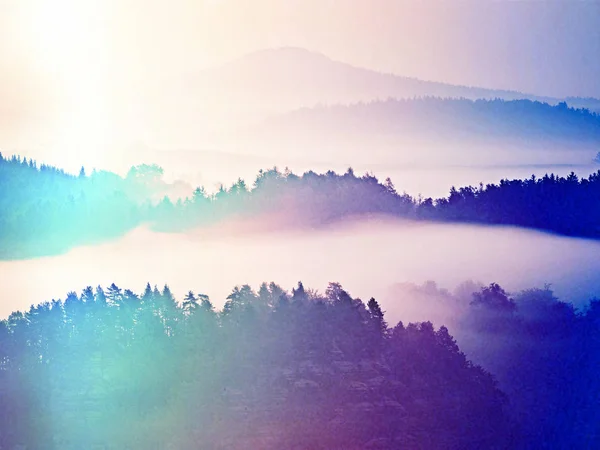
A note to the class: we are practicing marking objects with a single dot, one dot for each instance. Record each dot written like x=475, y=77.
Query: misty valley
x=281, y=225
x=452, y=363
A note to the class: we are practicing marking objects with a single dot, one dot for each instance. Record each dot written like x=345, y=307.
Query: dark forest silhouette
x=112, y=369
x=543, y=352
x=272, y=370
x=47, y=211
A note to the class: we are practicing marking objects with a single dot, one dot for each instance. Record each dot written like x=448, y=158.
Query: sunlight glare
x=71, y=42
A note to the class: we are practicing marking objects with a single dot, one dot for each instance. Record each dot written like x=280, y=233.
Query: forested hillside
x=543, y=351
x=447, y=119
x=45, y=211
x=112, y=369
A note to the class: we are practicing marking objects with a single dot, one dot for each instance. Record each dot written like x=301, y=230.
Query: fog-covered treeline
x=544, y=353
x=564, y=205
x=46, y=211
x=450, y=118
x=114, y=370
x=590, y=103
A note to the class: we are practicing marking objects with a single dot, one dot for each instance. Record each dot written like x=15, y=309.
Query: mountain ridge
x=286, y=58
x=246, y=90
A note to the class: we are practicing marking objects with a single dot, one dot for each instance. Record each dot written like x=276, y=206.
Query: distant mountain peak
x=287, y=53
x=290, y=49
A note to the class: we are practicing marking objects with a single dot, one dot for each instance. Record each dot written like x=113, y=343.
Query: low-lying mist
x=367, y=256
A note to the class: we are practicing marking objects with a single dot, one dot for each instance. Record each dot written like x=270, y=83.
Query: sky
x=548, y=48
x=83, y=62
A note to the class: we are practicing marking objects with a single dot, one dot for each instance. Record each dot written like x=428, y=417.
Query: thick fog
x=367, y=257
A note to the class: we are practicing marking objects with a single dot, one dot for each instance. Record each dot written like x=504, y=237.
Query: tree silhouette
x=276, y=370
x=49, y=211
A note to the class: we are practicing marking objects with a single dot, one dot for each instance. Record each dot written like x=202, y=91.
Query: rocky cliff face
x=377, y=402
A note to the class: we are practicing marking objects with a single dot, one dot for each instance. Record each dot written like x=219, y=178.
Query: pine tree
x=377, y=316
x=114, y=294
x=299, y=294
x=190, y=303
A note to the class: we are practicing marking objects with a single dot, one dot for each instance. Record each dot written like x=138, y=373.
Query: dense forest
x=273, y=369
x=113, y=369
x=449, y=118
x=593, y=104
x=44, y=210
x=544, y=353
